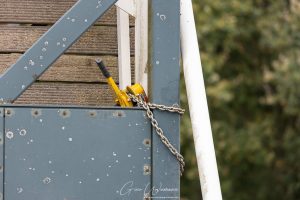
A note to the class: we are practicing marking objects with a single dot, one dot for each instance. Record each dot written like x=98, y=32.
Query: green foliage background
x=250, y=54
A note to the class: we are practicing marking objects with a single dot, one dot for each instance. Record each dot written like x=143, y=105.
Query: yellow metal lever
x=122, y=98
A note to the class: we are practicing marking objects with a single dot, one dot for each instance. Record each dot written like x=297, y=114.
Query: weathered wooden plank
x=98, y=40
x=43, y=11
x=71, y=68
x=67, y=94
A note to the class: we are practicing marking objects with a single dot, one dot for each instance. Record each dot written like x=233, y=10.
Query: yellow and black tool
x=122, y=99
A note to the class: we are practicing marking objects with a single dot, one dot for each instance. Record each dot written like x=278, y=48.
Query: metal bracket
x=165, y=76
x=50, y=47
x=2, y=110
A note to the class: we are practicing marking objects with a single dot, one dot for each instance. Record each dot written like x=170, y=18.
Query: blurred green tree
x=251, y=58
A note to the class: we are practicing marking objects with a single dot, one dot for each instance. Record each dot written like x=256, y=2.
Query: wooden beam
x=71, y=68
x=97, y=40
x=43, y=12
x=67, y=94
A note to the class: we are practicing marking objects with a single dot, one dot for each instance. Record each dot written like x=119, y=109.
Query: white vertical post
x=205, y=152
x=141, y=43
x=123, y=49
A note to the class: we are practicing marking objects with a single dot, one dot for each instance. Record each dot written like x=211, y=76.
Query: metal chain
x=172, y=109
x=147, y=107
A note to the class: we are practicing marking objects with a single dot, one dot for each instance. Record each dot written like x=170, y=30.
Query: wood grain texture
x=74, y=79
x=71, y=68
x=99, y=40
x=43, y=11
x=67, y=94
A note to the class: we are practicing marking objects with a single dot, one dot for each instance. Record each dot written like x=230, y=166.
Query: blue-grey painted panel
x=1, y=151
x=165, y=76
x=76, y=154
x=50, y=46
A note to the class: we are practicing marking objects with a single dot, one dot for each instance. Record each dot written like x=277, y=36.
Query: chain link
x=147, y=107
x=172, y=109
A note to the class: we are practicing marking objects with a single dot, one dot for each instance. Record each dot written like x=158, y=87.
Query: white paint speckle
x=98, y=179
x=67, y=175
x=70, y=139
x=58, y=43
x=92, y=158
x=99, y=4
x=114, y=154
x=50, y=162
x=85, y=20
x=80, y=182
x=41, y=120
x=23, y=86
x=157, y=62
x=63, y=128
x=31, y=62
x=23, y=132
x=73, y=20
x=47, y=180
x=117, y=161
x=46, y=43
x=163, y=17
x=44, y=49
x=129, y=156
x=10, y=135
x=107, y=174
x=52, y=172
x=64, y=39
x=19, y=190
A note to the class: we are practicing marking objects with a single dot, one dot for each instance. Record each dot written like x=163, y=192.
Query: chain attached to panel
x=135, y=94
x=147, y=107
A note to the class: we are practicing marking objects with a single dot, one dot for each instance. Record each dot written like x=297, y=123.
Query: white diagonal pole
x=205, y=152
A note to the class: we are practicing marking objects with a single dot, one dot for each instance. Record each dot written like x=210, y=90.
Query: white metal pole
x=205, y=152
x=141, y=43
x=123, y=49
